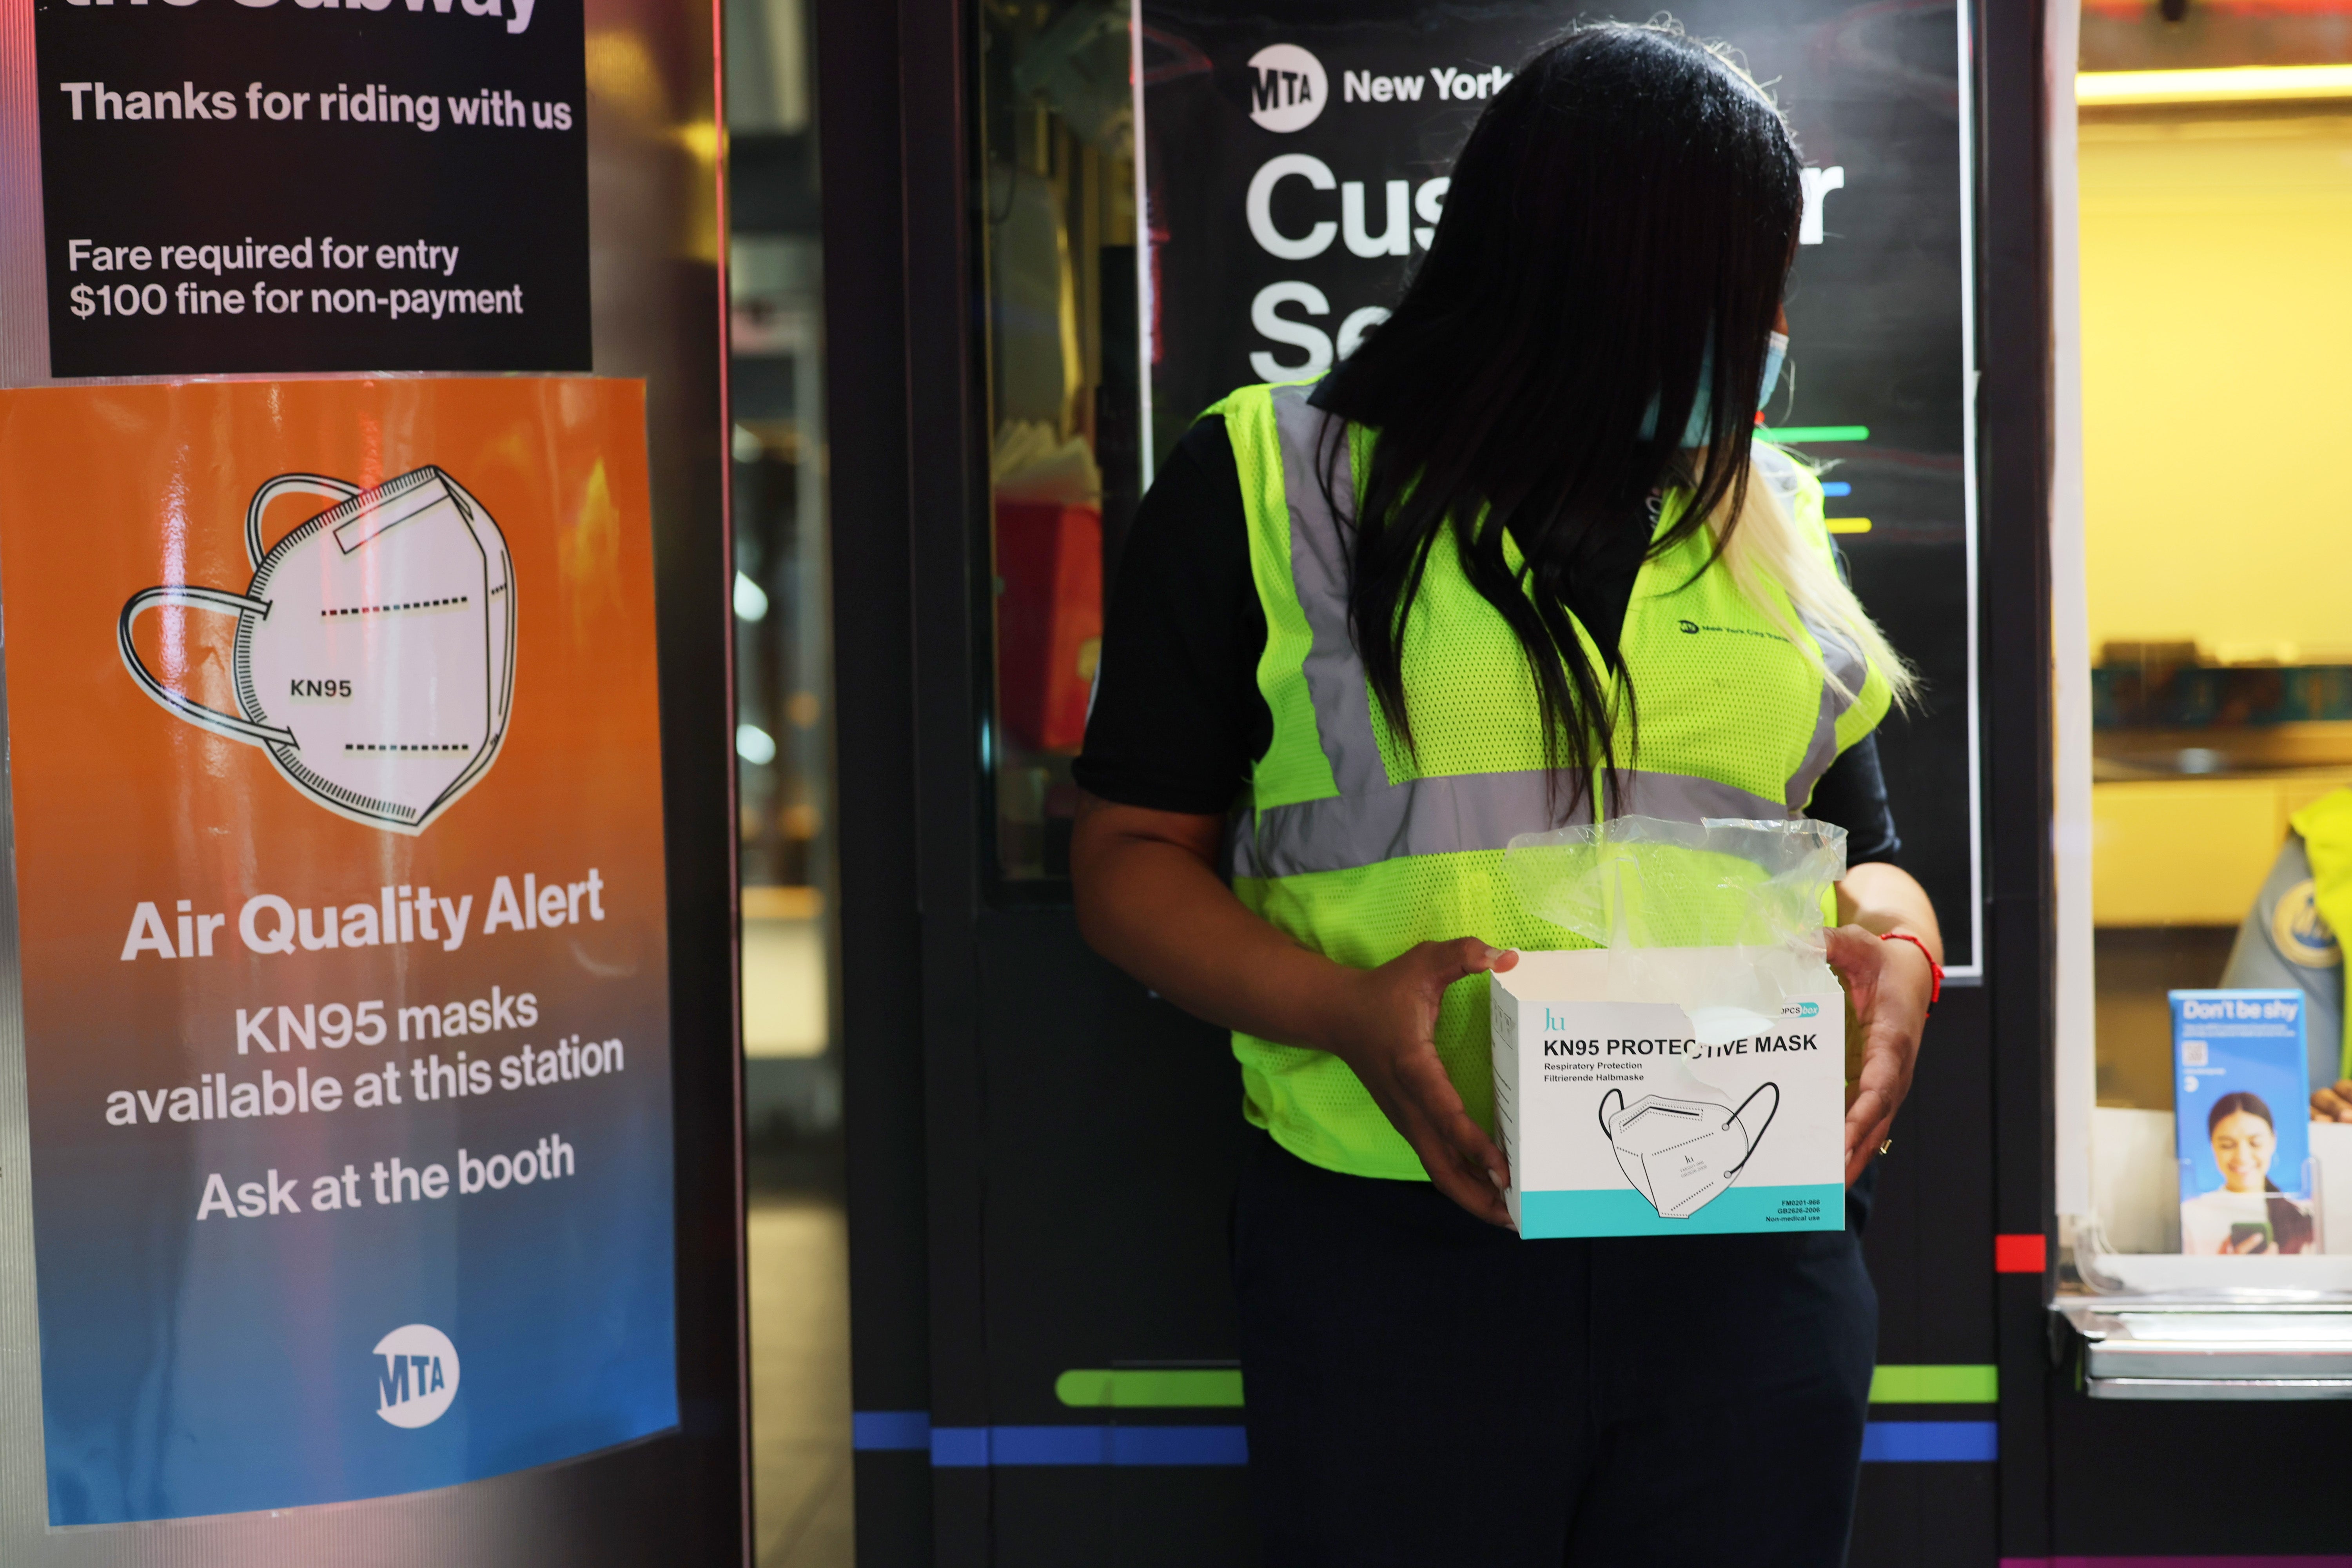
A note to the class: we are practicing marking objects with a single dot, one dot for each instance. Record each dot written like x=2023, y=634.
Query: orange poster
x=334, y=758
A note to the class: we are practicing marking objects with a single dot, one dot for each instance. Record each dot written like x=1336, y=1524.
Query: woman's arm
x=1150, y=899
x=1890, y=983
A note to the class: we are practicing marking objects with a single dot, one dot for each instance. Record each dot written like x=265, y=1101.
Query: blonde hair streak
x=1769, y=547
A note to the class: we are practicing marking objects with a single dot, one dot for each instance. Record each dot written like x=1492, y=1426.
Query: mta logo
x=416, y=1376
x=1287, y=88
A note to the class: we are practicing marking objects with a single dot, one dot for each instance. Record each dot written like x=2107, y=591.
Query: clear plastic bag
x=1659, y=894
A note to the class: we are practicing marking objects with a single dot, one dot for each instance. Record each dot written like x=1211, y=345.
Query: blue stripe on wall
x=885, y=1431
x=959, y=1447
x=1178, y=1446
x=1930, y=1442
x=963, y=1447
x=970, y=1448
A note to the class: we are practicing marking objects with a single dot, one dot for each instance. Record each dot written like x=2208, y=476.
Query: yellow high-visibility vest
x=1360, y=848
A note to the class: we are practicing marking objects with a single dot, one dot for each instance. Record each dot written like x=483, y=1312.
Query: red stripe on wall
x=2029, y=1255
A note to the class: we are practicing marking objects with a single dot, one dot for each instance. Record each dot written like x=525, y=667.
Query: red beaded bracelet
x=1935, y=990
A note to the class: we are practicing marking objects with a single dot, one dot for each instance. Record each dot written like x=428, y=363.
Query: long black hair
x=1615, y=239
x=2290, y=1227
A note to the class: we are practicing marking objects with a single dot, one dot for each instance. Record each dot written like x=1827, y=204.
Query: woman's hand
x=1384, y=1028
x=2333, y=1103
x=1889, y=984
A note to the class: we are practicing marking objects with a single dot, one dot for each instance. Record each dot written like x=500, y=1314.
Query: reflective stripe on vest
x=1372, y=818
x=1839, y=658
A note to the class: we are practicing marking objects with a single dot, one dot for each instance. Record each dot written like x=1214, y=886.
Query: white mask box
x=1619, y=1120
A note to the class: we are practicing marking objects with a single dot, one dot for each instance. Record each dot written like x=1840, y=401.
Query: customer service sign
x=336, y=811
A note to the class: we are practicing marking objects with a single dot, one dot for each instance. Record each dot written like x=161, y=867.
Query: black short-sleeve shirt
x=1178, y=718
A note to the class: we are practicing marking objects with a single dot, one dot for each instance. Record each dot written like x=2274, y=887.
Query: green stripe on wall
x=1198, y=1388
x=1790, y=435
x=1162, y=1388
x=1935, y=1385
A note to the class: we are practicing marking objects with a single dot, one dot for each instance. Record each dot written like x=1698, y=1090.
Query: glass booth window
x=2214, y=329
x=1057, y=138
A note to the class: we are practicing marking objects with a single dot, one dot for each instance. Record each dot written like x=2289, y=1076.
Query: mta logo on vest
x=1287, y=88
x=416, y=1376
x=2301, y=933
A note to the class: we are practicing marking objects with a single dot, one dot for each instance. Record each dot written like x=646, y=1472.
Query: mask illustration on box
x=373, y=660
x=1680, y=1152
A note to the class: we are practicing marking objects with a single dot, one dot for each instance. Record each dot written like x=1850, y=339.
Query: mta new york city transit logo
x=2301, y=933
x=1287, y=88
x=417, y=1375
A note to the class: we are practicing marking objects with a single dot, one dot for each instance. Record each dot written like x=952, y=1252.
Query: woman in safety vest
x=1342, y=669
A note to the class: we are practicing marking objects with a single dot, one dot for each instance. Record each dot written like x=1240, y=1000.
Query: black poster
x=286, y=185
x=1294, y=159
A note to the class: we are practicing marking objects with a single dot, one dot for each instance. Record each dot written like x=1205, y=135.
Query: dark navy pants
x=1429, y=1391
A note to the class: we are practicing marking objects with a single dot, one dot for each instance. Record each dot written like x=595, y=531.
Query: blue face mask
x=1776, y=353
x=1695, y=431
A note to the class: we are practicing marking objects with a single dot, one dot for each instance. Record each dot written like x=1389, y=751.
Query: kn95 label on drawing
x=334, y=758
x=305, y=186
x=1618, y=1119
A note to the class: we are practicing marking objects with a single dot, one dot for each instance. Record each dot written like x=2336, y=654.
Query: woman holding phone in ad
x=1369, y=629
x=2247, y=1213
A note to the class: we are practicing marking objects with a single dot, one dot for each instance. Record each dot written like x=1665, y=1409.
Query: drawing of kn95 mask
x=1682, y=1152
x=374, y=658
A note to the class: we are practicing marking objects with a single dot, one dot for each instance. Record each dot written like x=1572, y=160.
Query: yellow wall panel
x=2217, y=339
x=2181, y=852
